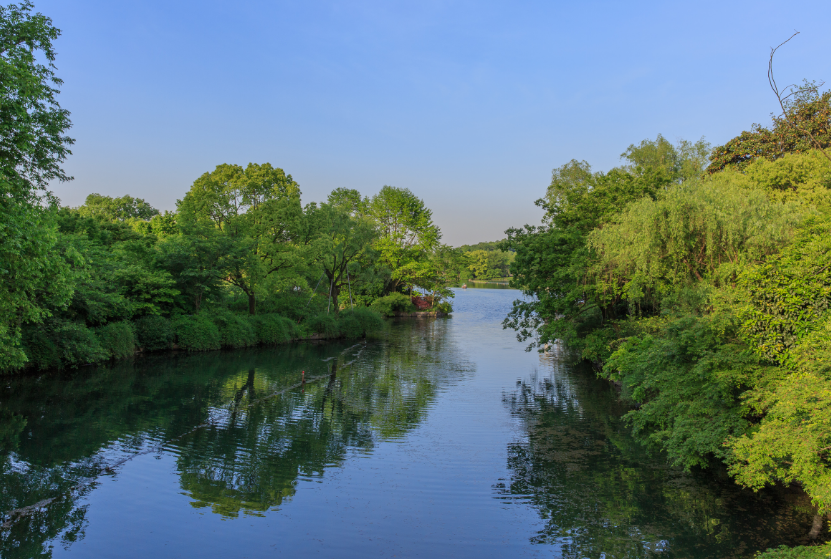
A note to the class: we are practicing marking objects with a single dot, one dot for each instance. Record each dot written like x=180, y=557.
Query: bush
x=444, y=307
x=801, y=552
x=234, y=330
x=153, y=333
x=273, y=328
x=392, y=303
x=58, y=343
x=196, y=333
x=117, y=339
x=357, y=323
x=323, y=324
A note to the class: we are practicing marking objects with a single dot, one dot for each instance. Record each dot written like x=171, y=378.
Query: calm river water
x=441, y=438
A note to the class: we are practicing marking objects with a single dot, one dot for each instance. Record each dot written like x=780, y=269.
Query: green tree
x=406, y=234
x=117, y=209
x=33, y=145
x=238, y=203
x=806, y=110
x=344, y=247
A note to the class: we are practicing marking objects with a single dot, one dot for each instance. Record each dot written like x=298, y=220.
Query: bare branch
x=775, y=88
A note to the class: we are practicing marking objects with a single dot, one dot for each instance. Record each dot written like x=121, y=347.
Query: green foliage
x=692, y=232
x=325, y=324
x=789, y=293
x=444, y=307
x=118, y=339
x=234, y=330
x=800, y=552
x=359, y=322
x=273, y=328
x=808, y=110
x=117, y=209
x=393, y=303
x=196, y=333
x=33, y=123
x=688, y=376
x=683, y=162
x=60, y=343
x=406, y=234
x=153, y=332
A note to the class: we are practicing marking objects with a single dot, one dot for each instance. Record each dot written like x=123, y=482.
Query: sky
x=469, y=104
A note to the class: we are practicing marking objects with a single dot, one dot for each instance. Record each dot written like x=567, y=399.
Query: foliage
x=688, y=376
x=33, y=124
x=153, y=332
x=799, y=552
x=117, y=209
x=33, y=146
x=393, y=303
x=406, y=234
x=273, y=328
x=118, y=339
x=692, y=232
x=234, y=330
x=445, y=307
x=683, y=162
x=59, y=343
x=325, y=324
x=359, y=322
x=808, y=110
x=196, y=333
x=789, y=293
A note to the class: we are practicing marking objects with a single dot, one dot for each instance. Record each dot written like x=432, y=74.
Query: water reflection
x=599, y=494
x=242, y=426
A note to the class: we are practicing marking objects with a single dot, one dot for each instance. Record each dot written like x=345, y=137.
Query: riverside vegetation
x=699, y=281
x=696, y=279
x=240, y=262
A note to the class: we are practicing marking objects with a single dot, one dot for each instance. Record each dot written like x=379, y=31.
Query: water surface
x=442, y=437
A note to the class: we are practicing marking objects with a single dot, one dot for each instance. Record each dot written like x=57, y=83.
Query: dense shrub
x=444, y=307
x=117, y=339
x=234, y=329
x=801, y=552
x=153, y=333
x=59, y=343
x=273, y=328
x=392, y=303
x=323, y=324
x=196, y=333
x=357, y=323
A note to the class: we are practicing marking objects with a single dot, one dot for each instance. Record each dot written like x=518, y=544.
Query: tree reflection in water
x=600, y=494
x=61, y=431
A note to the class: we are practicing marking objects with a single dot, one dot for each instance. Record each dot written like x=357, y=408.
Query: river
x=438, y=438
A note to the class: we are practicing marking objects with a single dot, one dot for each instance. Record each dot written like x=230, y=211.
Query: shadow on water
x=600, y=494
x=239, y=449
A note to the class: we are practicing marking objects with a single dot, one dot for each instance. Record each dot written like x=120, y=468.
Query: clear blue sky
x=468, y=104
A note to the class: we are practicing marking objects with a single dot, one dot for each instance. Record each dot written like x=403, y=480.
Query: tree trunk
x=335, y=291
x=816, y=527
x=252, y=304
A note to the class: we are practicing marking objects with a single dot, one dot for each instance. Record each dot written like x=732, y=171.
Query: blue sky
x=468, y=104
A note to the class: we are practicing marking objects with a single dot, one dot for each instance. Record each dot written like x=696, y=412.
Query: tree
x=117, y=209
x=241, y=205
x=406, y=234
x=806, y=112
x=345, y=246
x=683, y=162
x=33, y=145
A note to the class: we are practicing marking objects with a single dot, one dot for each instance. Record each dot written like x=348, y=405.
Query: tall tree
x=33, y=145
x=407, y=234
x=240, y=205
x=345, y=246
